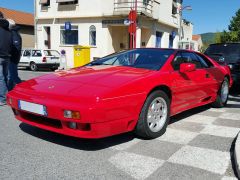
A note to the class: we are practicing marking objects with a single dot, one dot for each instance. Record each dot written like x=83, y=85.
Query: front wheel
x=222, y=96
x=154, y=116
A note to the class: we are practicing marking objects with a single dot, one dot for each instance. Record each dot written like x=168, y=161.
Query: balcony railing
x=124, y=6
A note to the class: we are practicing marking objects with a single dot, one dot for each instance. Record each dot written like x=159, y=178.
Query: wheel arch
x=227, y=76
x=164, y=88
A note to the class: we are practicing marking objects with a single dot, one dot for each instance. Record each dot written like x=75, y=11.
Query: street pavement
x=198, y=144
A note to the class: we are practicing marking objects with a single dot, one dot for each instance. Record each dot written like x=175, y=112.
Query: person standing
x=5, y=51
x=13, y=77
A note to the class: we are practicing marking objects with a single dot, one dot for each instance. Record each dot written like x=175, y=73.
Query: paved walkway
x=197, y=145
x=194, y=147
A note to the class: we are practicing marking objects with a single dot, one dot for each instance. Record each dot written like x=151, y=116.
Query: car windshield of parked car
x=230, y=52
x=152, y=59
x=51, y=53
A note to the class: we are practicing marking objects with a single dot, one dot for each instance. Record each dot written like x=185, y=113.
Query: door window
x=27, y=53
x=192, y=58
x=204, y=61
x=177, y=61
x=36, y=53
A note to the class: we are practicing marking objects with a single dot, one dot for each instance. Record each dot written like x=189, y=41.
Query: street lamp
x=189, y=8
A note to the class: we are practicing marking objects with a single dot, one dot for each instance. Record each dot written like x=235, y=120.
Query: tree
x=233, y=35
x=218, y=37
x=235, y=22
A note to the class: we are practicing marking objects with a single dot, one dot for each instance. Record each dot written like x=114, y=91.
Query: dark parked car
x=227, y=53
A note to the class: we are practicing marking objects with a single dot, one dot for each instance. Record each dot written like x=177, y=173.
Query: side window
x=36, y=53
x=192, y=58
x=27, y=53
x=205, y=61
x=177, y=61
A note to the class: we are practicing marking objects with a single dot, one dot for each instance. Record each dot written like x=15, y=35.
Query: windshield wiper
x=97, y=63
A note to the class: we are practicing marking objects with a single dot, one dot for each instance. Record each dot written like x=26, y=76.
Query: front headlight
x=71, y=114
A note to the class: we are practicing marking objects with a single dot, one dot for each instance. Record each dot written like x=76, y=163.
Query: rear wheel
x=154, y=116
x=222, y=96
x=33, y=66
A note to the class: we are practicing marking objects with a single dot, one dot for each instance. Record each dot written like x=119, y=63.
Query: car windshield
x=231, y=52
x=152, y=59
x=51, y=53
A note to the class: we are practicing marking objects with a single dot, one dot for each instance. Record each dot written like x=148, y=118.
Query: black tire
x=53, y=69
x=33, y=66
x=142, y=128
x=221, y=101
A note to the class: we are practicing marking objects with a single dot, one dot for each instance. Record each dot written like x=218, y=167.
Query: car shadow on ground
x=95, y=144
x=77, y=143
x=99, y=144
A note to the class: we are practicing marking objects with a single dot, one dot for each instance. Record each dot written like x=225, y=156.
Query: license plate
x=32, y=107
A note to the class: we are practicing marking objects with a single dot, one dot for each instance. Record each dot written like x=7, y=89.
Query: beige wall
x=161, y=11
x=27, y=34
x=119, y=36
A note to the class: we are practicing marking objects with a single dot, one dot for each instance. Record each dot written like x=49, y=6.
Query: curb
x=237, y=155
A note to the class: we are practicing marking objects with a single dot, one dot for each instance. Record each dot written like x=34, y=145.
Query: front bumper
x=89, y=126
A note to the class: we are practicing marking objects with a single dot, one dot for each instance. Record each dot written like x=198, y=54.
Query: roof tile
x=21, y=18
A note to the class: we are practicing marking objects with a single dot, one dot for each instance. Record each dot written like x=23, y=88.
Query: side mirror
x=187, y=67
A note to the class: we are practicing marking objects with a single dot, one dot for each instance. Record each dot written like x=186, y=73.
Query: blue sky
x=210, y=15
x=206, y=15
x=22, y=5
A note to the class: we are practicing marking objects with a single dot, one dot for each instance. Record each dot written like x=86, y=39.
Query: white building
x=186, y=35
x=99, y=24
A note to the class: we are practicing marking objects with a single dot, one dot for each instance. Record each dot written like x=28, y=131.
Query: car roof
x=224, y=43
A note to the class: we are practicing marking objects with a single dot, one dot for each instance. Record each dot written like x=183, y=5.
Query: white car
x=36, y=58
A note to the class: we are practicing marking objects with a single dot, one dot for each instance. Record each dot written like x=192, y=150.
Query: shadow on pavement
x=77, y=143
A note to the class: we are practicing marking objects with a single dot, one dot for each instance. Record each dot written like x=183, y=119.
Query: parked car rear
x=227, y=53
x=36, y=58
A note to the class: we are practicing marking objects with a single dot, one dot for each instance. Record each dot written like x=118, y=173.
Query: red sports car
x=136, y=90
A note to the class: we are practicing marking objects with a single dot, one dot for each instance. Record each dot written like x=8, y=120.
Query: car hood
x=84, y=82
x=107, y=76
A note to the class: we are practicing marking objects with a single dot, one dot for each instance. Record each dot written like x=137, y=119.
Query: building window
x=69, y=36
x=146, y=2
x=92, y=35
x=174, y=8
x=66, y=2
x=171, y=38
x=158, y=39
x=45, y=2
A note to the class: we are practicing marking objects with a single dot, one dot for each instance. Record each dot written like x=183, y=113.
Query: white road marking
x=137, y=166
x=220, y=131
x=178, y=136
x=210, y=160
x=232, y=116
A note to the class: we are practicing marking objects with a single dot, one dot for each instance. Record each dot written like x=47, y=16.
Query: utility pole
x=132, y=29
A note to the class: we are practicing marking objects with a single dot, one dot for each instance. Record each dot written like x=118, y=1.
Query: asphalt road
x=197, y=145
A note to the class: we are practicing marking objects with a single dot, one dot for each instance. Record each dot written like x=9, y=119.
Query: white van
x=36, y=58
